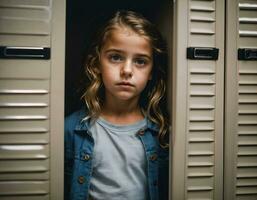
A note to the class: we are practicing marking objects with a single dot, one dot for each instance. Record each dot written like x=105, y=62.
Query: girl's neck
x=121, y=113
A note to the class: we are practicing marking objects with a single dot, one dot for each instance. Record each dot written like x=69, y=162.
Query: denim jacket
x=79, y=146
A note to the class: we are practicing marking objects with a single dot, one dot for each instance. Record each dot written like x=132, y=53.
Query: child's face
x=126, y=63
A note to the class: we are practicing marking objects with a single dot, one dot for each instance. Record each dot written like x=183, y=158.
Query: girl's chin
x=126, y=97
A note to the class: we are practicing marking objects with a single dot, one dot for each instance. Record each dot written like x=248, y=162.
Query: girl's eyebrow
x=123, y=52
x=114, y=50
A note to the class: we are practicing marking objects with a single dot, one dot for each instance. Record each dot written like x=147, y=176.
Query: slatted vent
x=246, y=185
x=24, y=102
x=202, y=102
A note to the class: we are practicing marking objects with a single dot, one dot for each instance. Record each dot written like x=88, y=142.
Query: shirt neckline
x=121, y=127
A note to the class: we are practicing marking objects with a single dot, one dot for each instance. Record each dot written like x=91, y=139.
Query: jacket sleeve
x=164, y=155
x=68, y=155
x=163, y=182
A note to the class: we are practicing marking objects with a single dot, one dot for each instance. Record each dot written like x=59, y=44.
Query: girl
x=116, y=149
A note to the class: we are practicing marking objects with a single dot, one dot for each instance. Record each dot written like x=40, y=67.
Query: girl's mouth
x=125, y=84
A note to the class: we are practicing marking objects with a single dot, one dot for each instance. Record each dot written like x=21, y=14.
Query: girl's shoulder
x=74, y=119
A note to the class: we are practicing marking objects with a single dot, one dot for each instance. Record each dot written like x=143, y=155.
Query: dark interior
x=83, y=17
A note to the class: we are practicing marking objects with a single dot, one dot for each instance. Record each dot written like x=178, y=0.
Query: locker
x=220, y=130
x=198, y=85
x=31, y=99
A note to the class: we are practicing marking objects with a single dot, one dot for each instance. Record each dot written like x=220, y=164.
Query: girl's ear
x=97, y=70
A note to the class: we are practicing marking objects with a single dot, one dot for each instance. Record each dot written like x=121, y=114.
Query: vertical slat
x=179, y=123
x=57, y=98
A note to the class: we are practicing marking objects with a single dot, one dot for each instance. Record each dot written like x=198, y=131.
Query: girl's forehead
x=122, y=29
x=127, y=40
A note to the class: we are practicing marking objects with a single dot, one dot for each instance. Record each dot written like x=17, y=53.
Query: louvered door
x=26, y=99
x=198, y=141
x=241, y=101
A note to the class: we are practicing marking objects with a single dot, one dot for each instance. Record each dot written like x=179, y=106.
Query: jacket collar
x=84, y=122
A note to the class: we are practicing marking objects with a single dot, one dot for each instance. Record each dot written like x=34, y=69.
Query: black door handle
x=202, y=53
x=24, y=52
x=247, y=54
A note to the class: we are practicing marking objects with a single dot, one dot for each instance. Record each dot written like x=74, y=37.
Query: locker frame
x=57, y=99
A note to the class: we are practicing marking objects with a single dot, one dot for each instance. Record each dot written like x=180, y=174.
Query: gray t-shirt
x=119, y=162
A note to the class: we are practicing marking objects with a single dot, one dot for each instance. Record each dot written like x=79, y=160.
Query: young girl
x=115, y=149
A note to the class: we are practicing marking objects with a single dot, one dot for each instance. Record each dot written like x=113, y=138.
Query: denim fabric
x=79, y=146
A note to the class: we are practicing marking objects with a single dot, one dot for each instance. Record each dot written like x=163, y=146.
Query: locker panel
x=24, y=126
x=203, y=67
x=247, y=197
x=202, y=90
x=247, y=68
x=24, y=138
x=25, y=3
x=24, y=13
x=200, y=161
x=247, y=42
x=24, y=113
x=207, y=79
x=201, y=126
x=33, y=15
x=25, y=17
x=22, y=26
x=200, y=171
x=196, y=195
x=200, y=183
x=24, y=166
x=202, y=103
x=24, y=86
x=247, y=181
x=246, y=148
x=25, y=102
x=202, y=40
x=17, y=152
x=247, y=79
x=24, y=69
x=202, y=148
x=201, y=136
x=25, y=40
x=24, y=176
x=31, y=197
x=198, y=26
x=201, y=115
x=24, y=187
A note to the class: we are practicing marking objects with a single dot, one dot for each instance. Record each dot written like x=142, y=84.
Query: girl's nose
x=126, y=70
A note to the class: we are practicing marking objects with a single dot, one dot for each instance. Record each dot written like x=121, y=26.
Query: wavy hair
x=152, y=96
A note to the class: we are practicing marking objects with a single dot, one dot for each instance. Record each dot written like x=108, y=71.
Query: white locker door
x=240, y=178
x=197, y=154
x=31, y=99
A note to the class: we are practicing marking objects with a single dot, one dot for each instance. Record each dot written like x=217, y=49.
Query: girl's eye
x=115, y=58
x=141, y=61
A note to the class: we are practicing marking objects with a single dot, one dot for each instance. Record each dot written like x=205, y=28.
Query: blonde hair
x=154, y=92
